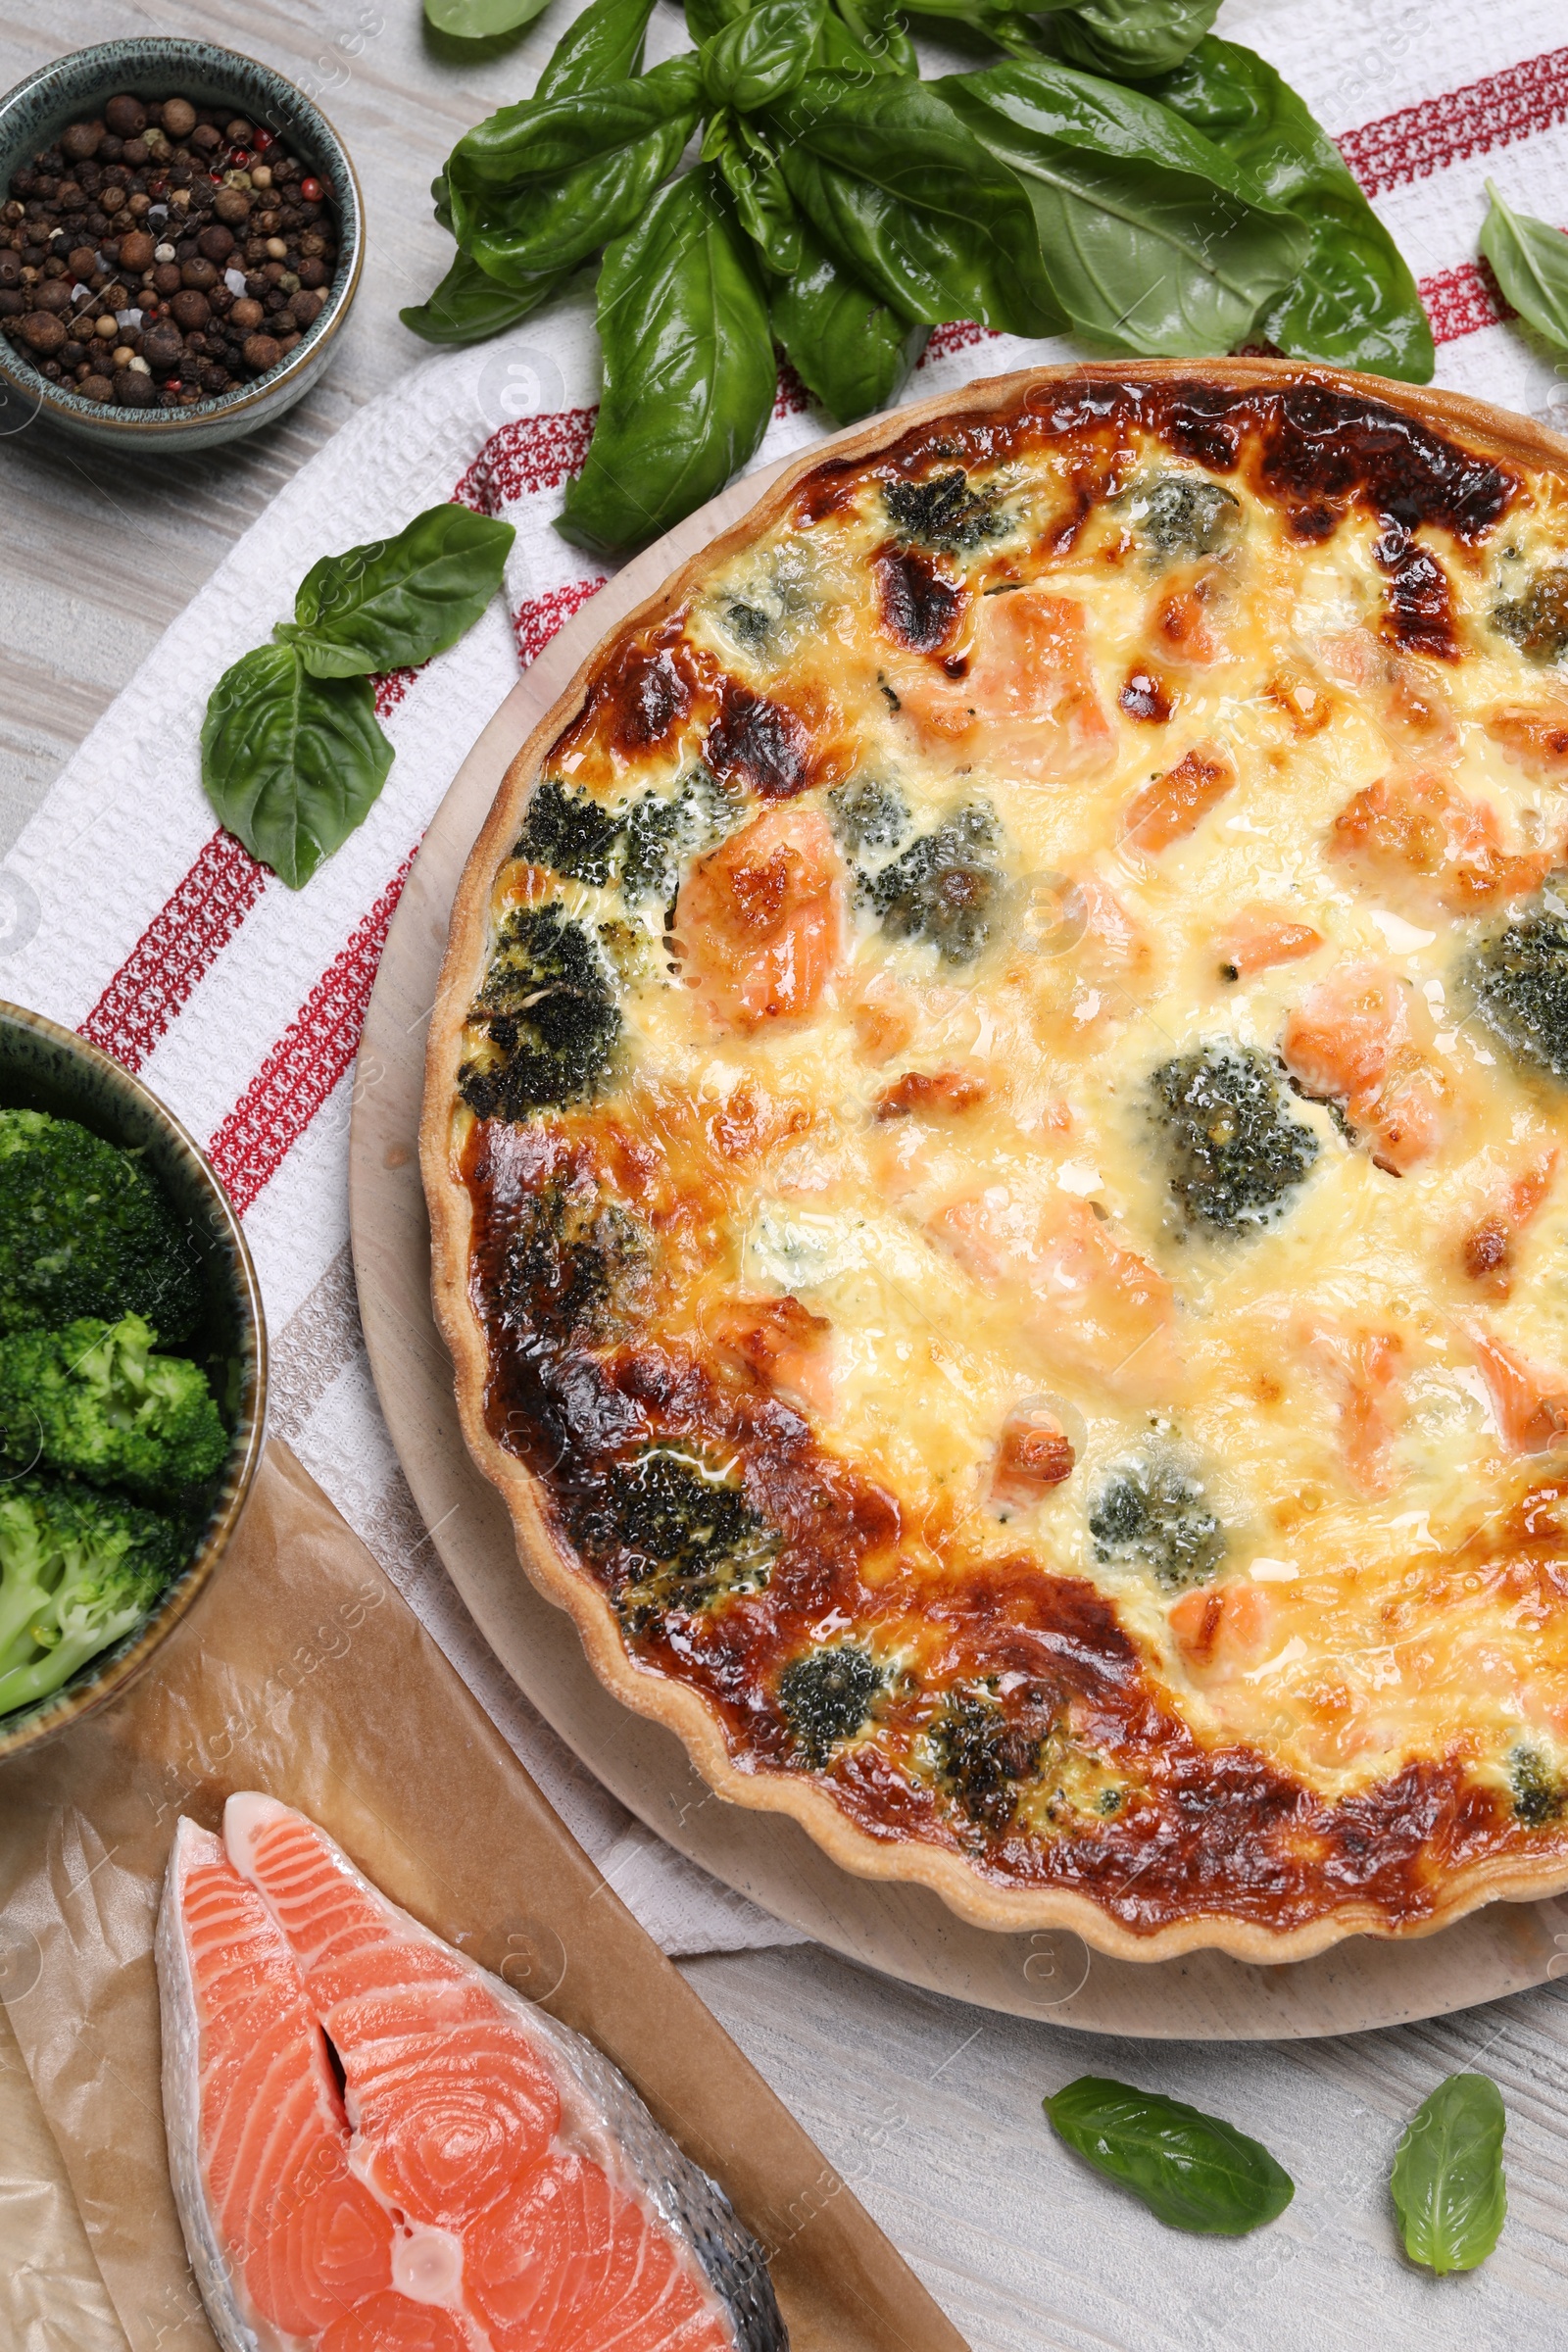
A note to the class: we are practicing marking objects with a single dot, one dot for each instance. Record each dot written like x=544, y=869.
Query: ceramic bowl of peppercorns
x=181, y=238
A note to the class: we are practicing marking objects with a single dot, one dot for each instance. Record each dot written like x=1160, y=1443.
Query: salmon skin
x=377, y=2146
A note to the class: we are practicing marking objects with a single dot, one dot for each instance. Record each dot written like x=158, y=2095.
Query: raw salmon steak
x=376, y=2145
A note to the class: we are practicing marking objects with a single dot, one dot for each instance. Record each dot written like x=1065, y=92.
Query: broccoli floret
x=1181, y=514
x=983, y=1754
x=1537, y=1796
x=93, y=1400
x=547, y=1010
x=943, y=512
x=826, y=1696
x=1537, y=621
x=1156, y=1517
x=692, y=1536
x=78, y=1571
x=576, y=1267
x=1234, y=1150
x=866, y=815
x=569, y=833
x=662, y=832
x=1520, y=983
x=945, y=888
x=86, y=1231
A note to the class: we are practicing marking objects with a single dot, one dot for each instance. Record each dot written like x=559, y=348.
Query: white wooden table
x=930, y=2109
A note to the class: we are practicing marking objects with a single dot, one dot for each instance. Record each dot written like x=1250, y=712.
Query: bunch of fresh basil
x=293, y=757
x=1122, y=175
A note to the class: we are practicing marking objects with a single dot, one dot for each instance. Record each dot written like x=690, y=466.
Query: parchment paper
x=303, y=1673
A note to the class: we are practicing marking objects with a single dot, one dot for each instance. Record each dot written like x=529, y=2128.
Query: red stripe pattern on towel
x=959, y=334
x=175, y=951
x=1461, y=301
x=306, y=1062
x=1476, y=120
x=537, y=620
x=529, y=455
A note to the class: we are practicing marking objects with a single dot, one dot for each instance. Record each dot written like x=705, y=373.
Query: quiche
x=996, y=1140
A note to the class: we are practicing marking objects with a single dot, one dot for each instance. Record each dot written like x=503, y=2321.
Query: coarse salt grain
x=234, y=280
x=128, y=317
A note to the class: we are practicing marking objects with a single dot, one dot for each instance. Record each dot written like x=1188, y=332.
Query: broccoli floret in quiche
x=575, y=1266
x=1182, y=515
x=568, y=832
x=86, y=1231
x=867, y=816
x=1537, y=621
x=946, y=888
x=547, y=1014
x=693, y=1537
x=983, y=1756
x=943, y=512
x=93, y=1400
x=1519, y=979
x=1233, y=1149
x=1156, y=1517
x=828, y=1696
x=663, y=831
x=1538, y=1794
x=78, y=1571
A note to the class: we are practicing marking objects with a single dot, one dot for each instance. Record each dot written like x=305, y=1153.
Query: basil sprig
x=1448, y=2182
x=293, y=757
x=1126, y=177
x=1530, y=260
x=1193, y=2170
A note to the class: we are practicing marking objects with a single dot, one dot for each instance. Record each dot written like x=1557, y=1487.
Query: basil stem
x=1193, y=2170
x=290, y=762
x=394, y=602
x=845, y=345
x=689, y=375
x=1151, y=237
x=1530, y=259
x=904, y=197
x=1448, y=2182
x=1353, y=301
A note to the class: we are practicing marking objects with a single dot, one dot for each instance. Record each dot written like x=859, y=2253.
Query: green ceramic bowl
x=44, y=1067
x=38, y=109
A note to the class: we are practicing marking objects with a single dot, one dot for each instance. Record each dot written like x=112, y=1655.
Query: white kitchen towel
x=127, y=915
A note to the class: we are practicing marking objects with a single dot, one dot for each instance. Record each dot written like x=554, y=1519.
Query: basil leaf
x=760, y=56
x=542, y=185
x=762, y=203
x=689, y=370
x=480, y=20
x=469, y=304
x=1355, y=300
x=394, y=602
x=876, y=30
x=291, y=764
x=1447, y=2180
x=1531, y=261
x=845, y=345
x=1193, y=2170
x=1132, y=40
x=904, y=197
x=705, y=17
x=1150, y=234
x=605, y=44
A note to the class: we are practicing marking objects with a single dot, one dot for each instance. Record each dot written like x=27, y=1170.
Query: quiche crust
x=1140, y=1809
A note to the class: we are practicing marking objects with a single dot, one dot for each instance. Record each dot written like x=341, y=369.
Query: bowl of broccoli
x=133, y=1376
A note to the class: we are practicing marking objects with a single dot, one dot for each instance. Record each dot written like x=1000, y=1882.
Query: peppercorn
x=260, y=353
x=178, y=117
x=132, y=390
x=127, y=116
x=43, y=332
x=80, y=139
x=94, y=387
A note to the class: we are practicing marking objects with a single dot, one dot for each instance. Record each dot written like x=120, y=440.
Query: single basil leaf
x=878, y=30
x=604, y=45
x=1132, y=40
x=1530, y=259
x=1447, y=2180
x=763, y=206
x=469, y=304
x=705, y=17
x=689, y=370
x=1355, y=300
x=441, y=198
x=762, y=54
x=394, y=602
x=1193, y=2170
x=291, y=764
x=845, y=345
x=540, y=186
x=480, y=20
x=904, y=197
x=1150, y=236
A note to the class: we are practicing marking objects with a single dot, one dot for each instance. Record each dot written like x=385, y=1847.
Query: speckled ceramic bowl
x=38, y=109
x=44, y=1067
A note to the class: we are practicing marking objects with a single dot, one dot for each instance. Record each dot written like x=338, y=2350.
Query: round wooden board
x=905, y=1931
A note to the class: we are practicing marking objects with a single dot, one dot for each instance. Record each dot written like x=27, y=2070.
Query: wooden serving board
x=907, y=1931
